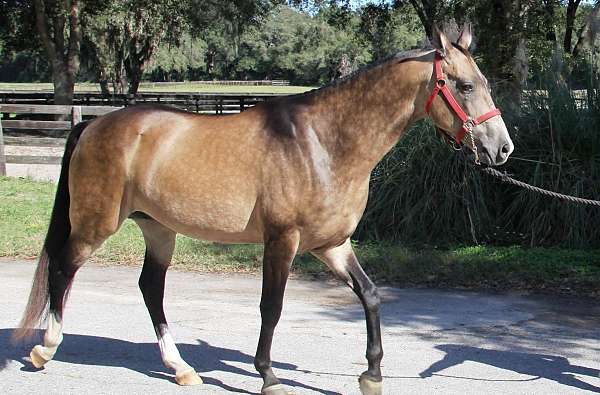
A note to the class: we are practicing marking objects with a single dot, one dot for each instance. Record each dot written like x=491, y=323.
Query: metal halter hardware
x=468, y=122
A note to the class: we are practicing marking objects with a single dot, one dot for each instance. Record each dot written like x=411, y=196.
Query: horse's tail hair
x=56, y=238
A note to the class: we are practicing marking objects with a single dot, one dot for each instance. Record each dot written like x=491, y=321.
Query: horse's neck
x=362, y=118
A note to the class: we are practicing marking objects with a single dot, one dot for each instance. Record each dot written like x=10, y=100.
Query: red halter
x=440, y=86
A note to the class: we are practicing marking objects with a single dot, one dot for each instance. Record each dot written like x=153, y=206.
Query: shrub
x=424, y=193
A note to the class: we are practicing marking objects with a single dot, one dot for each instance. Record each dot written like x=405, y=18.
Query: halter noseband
x=468, y=122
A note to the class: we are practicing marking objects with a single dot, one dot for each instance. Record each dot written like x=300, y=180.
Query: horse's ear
x=440, y=41
x=466, y=36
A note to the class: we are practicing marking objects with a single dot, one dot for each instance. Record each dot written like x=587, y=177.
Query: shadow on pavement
x=550, y=367
x=145, y=358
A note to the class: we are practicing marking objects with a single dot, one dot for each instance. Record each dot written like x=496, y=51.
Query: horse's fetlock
x=262, y=365
x=375, y=354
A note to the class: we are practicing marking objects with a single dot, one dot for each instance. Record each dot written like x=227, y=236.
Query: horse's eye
x=466, y=87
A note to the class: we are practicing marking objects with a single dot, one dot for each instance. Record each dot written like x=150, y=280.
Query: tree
x=570, y=24
x=429, y=12
x=125, y=35
x=388, y=29
x=222, y=24
x=588, y=31
x=58, y=26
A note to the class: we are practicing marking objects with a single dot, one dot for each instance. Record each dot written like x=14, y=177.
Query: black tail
x=58, y=233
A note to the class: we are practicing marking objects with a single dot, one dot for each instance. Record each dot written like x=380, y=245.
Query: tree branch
x=58, y=22
x=420, y=9
x=74, y=36
x=586, y=34
x=569, y=25
x=42, y=28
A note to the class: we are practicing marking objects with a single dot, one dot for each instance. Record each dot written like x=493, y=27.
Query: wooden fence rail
x=76, y=114
x=197, y=102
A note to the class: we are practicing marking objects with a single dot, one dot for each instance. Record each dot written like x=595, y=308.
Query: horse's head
x=461, y=104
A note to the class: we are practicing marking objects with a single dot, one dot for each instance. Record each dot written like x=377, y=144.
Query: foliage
x=125, y=35
x=295, y=46
x=424, y=193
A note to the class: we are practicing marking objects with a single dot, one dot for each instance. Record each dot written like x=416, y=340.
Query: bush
x=423, y=193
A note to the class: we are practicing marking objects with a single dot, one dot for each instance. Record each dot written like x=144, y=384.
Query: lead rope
x=504, y=177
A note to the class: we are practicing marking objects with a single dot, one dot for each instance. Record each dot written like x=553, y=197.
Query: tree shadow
x=145, y=358
x=551, y=367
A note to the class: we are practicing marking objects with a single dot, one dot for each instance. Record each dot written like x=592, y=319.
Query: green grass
x=25, y=208
x=193, y=87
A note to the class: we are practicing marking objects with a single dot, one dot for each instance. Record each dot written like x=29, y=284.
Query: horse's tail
x=58, y=233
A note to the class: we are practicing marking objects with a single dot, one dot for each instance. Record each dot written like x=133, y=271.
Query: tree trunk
x=588, y=31
x=570, y=24
x=135, y=77
x=63, y=86
x=121, y=84
x=549, y=17
x=104, y=86
x=427, y=12
x=64, y=60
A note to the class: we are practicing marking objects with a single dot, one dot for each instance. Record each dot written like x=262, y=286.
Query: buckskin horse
x=291, y=173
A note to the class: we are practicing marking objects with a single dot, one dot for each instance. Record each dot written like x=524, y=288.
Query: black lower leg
x=152, y=285
x=277, y=260
x=61, y=273
x=270, y=316
x=369, y=297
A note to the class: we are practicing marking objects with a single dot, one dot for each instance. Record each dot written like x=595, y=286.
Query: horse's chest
x=331, y=219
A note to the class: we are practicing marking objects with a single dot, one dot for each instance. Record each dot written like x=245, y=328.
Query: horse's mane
x=397, y=57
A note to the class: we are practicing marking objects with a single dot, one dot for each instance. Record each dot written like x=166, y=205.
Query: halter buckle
x=469, y=125
x=441, y=83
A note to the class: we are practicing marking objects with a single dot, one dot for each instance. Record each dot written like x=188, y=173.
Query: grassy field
x=195, y=87
x=25, y=208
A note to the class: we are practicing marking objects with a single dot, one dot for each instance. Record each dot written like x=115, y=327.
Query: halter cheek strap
x=441, y=87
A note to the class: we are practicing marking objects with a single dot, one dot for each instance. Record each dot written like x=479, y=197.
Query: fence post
x=2, y=157
x=75, y=115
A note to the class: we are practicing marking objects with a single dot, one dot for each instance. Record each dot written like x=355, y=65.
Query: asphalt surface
x=444, y=342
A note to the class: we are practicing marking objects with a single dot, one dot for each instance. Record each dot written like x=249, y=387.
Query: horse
x=292, y=173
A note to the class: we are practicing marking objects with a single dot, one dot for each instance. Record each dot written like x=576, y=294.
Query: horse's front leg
x=342, y=261
x=279, y=253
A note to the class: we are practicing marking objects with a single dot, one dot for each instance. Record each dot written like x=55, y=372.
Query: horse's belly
x=210, y=218
x=202, y=205
x=229, y=220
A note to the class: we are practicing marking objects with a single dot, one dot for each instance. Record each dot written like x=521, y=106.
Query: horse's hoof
x=369, y=386
x=188, y=377
x=37, y=358
x=276, y=389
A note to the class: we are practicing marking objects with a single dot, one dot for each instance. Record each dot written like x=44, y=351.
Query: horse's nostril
x=505, y=149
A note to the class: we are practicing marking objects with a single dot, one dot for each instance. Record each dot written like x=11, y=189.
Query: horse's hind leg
x=342, y=261
x=61, y=271
x=160, y=243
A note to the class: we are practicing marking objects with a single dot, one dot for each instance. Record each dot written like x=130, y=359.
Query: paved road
x=443, y=342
